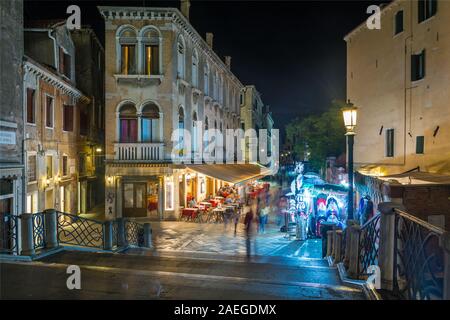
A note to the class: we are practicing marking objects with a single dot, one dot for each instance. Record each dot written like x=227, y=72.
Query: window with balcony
x=150, y=43
x=181, y=58
x=426, y=9
x=31, y=107
x=150, y=122
x=127, y=51
x=128, y=123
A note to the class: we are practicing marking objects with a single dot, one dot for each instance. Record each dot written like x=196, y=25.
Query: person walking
x=263, y=217
x=248, y=222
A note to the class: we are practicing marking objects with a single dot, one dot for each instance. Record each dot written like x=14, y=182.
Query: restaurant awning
x=231, y=173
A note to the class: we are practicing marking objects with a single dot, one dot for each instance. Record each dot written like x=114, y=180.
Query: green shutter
x=420, y=142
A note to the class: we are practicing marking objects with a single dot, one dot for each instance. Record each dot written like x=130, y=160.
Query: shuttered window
x=420, y=144
x=30, y=106
x=426, y=9
x=389, y=142
x=68, y=118
x=398, y=22
x=418, y=66
x=31, y=168
x=49, y=112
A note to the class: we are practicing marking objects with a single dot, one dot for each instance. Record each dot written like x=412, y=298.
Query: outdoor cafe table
x=205, y=203
x=189, y=212
x=217, y=214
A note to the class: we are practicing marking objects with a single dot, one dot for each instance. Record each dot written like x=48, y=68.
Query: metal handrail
x=421, y=222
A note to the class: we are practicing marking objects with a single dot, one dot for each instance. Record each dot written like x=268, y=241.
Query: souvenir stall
x=313, y=202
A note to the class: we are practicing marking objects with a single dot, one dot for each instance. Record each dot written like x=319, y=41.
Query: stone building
x=11, y=111
x=160, y=75
x=252, y=118
x=398, y=77
x=52, y=106
x=89, y=72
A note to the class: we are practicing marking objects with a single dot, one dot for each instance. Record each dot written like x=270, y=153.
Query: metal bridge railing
x=418, y=259
x=78, y=231
x=412, y=255
x=369, y=241
x=51, y=229
x=134, y=233
x=9, y=234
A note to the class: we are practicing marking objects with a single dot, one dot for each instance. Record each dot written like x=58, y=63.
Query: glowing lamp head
x=98, y=150
x=349, y=113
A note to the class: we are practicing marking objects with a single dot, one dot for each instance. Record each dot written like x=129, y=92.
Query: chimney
x=228, y=62
x=209, y=39
x=185, y=5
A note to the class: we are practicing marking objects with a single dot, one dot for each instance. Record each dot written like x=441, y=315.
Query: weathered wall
x=11, y=111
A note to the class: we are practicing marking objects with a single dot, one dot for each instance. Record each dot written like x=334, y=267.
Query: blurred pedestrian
x=263, y=218
x=248, y=222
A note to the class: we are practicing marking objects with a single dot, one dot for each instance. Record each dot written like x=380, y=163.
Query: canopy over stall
x=231, y=173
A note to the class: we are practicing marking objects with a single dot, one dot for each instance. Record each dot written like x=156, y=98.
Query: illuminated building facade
x=160, y=75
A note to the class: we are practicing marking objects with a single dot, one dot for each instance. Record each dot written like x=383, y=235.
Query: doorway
x=134, y=199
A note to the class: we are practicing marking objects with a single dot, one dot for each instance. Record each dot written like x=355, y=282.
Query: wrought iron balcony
x=139, y=151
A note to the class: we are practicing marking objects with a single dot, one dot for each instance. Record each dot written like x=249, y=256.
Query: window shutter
x=420, y=142
x=30, y=105
x=421, y=10
x=67, y=69
x=61, y=60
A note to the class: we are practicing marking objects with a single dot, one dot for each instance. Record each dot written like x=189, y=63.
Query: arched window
x=206, y=78
x=195, y=68
x=181, y=49
x=150, y=44
x=215, y=85
x=128, y=123
x=181, y=129
x=127, y=47
x=194, y=131
x=150, y=123
x=221, y=89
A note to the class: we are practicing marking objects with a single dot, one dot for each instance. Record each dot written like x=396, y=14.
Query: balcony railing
x=139, y=151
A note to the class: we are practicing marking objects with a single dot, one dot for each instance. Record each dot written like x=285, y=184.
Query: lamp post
x=349, y=113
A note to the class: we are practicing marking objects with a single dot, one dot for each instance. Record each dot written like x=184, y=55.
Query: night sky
x=292, y=51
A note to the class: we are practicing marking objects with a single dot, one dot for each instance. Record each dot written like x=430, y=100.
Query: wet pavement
x=119, y=276
x=214, y=238
x=189, y=261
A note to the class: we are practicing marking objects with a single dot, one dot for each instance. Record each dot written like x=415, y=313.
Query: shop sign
x=7, y=137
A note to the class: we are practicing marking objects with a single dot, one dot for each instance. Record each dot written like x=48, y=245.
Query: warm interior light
x=98, y=150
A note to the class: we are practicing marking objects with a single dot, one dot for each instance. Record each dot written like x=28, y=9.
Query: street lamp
x=349, y=112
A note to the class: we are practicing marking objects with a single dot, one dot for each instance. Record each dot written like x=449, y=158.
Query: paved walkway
x=214, y=238
x=119, y=276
